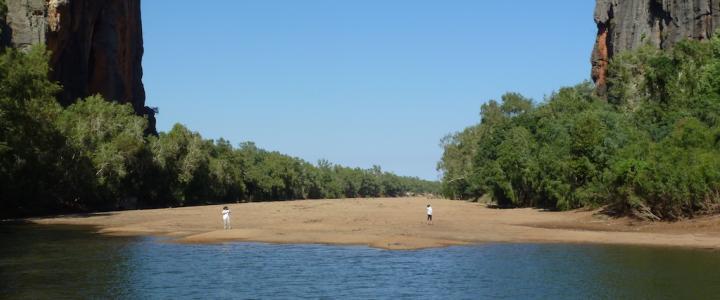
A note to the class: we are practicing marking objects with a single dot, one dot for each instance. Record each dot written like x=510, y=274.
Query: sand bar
x=394, y=223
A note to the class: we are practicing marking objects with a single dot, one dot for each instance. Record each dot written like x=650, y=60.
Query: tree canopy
x=93, y=155
x=650, y=149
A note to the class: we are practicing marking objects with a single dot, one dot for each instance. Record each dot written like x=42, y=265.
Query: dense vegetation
x=650, y=149
x=93, y=155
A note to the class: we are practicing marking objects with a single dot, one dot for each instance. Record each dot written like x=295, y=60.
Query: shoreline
x=394, y=224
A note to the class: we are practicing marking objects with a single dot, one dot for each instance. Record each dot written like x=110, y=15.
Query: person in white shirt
x=429, y=214
x=226, y=217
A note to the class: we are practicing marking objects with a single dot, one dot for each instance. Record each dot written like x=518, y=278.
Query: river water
x=51, y=262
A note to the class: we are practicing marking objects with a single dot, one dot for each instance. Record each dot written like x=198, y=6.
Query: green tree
x=32, y=175
x=650, y=150
x=110, y=136
x=182, y=156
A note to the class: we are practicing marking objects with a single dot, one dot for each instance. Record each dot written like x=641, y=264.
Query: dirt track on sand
x=394, y=223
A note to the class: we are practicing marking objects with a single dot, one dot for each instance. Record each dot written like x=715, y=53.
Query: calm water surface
x=51, y=262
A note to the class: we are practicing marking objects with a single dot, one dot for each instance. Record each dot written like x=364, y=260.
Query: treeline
x=650, y=149
x=94, y=155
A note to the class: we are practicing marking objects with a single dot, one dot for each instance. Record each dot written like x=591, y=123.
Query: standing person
x=429, y=214
x=226, y=217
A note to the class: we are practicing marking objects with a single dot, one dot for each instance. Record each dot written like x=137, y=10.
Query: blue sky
x=356, y=82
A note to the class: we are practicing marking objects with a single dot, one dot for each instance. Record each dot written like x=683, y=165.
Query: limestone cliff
x=627, y=24
x=96, y=46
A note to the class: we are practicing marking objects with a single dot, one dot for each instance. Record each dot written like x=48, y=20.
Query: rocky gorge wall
x=627, y=24
x=96, y=46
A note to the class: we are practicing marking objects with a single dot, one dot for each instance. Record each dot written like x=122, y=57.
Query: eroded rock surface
x=96, y=46
x=627, y=24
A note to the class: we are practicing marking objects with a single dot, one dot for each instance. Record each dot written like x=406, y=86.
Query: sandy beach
x=394, y=223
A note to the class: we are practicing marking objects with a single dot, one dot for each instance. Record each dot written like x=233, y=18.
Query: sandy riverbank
x=394, y=224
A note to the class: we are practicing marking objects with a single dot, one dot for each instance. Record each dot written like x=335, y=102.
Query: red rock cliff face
x=627, y=24
x=96, y=45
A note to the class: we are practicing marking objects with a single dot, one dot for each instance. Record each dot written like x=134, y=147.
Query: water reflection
x=60, y=261
x=51, y=262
